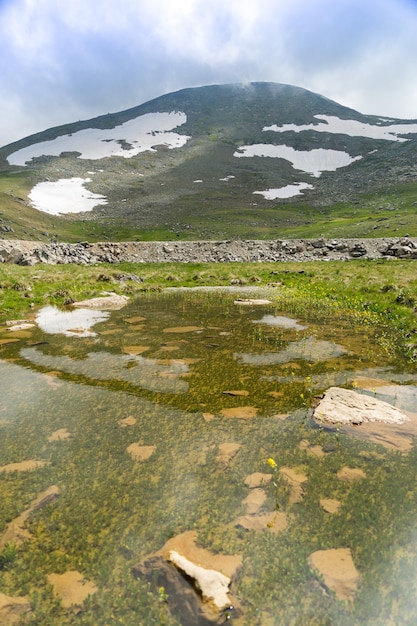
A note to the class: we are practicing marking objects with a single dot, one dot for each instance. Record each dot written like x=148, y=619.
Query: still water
x=157, y=421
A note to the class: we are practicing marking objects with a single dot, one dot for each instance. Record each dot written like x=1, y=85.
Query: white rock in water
x=214, y=586
x=344, y=406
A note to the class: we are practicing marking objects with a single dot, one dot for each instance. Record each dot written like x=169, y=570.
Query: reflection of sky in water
x=146, y=373
x=76, y=323
x=401, y=396
x=310, y=349
x=281, y=321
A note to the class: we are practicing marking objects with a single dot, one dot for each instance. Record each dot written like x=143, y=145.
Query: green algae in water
x=113, y=512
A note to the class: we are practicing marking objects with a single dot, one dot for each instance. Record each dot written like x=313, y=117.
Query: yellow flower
x=272, y=463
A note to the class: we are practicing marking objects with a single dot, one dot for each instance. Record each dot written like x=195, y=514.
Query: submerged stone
x=13, y=608
x=227, y=451
x=140, y=453
x=338, y=571
x=72, y=588
x=240, y=412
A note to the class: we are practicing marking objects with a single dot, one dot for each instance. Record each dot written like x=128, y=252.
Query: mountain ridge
x=221, y=168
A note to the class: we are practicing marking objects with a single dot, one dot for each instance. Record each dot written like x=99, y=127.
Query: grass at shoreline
x=386, y=289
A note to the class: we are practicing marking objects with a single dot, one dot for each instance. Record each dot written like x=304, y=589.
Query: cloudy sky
x=65, y=60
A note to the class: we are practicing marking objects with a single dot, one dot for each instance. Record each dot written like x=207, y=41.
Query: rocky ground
x=32, y=252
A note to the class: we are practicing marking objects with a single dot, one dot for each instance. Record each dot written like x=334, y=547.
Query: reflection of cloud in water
x=401, y=396
x=146, y=373
x=310, y=349
x=76, y=323
x=281, y=321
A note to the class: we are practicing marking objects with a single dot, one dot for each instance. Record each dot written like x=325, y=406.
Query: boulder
x=345, y=406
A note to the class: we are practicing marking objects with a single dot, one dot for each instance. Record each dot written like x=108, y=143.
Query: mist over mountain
x=256, y=160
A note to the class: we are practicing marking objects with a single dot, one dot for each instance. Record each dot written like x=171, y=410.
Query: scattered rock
x=338, y=571
x=72, y=588
x=12, y=609
x=21, y=326
x=109, y=301
x=242, y=393
x=140, y=453
x=135, y=350
x=252, y=302
x=208, y=417
x=15, y=532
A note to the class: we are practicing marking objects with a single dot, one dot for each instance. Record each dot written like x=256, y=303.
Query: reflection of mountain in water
x=309, y=349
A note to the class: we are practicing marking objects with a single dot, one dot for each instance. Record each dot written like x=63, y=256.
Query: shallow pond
x=159, y=419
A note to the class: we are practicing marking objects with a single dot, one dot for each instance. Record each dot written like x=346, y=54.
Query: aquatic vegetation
x=114, y=510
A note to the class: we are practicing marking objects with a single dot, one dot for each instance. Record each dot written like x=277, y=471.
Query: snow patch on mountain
x=127, y=140
x=312, y=162
x=67, y=195
x=288, y=191
x=353, y=128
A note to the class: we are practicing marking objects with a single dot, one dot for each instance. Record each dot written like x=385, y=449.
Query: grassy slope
x=388, y=214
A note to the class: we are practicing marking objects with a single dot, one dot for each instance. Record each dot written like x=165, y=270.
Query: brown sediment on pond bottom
x=240, y=412
x=139, y=452
x=127, y=421
x=24, y=466
x=351, y=474
x=72, y=588
x=338, y=571
x=16, y=532
x=330, y=506
x=59, y=435
x=227, y=451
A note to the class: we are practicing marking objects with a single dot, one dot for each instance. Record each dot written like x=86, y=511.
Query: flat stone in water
x=330, y=506
x=183, y=329
x=351, y=474
x=240, y=412
x=254, y=501
x=72, y=588
x=276, y=521
x=13, y=608
x=338, y=571
x=227, y=451
x=24, y=466
x=140, y=453
x=238, y=392
x=59, y=435
x=135, y=349
x=134, y=320
x=127, y=421
x=257, y=479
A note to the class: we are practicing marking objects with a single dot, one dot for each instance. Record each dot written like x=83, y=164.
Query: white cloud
x=60, y=62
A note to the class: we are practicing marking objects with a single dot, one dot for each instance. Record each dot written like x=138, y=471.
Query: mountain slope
x=260, y=160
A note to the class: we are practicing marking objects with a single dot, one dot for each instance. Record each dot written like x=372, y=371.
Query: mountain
x=261, y=160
